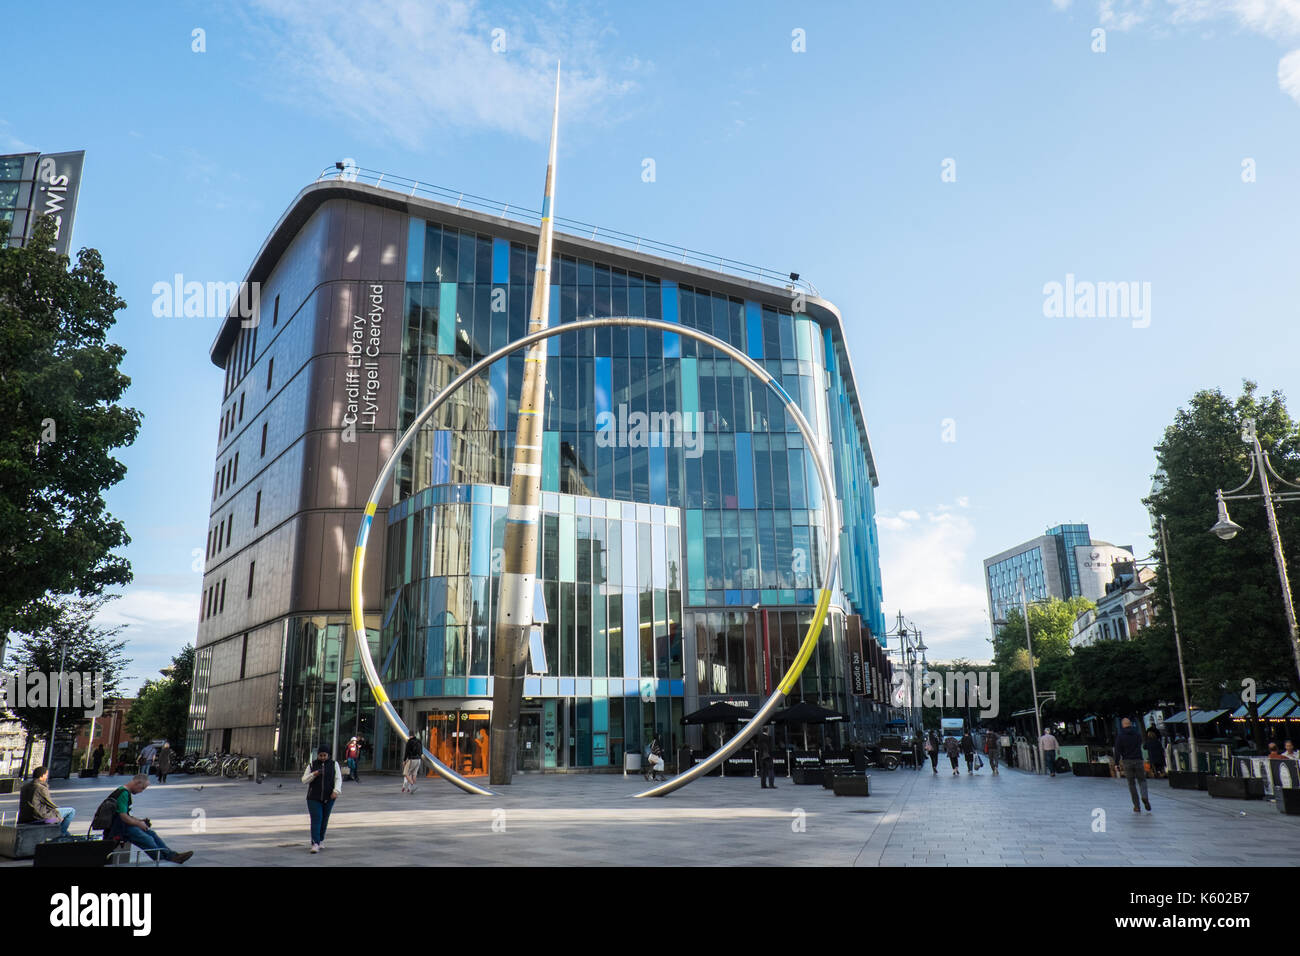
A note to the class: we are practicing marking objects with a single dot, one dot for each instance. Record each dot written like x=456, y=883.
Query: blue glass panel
x=732, y=597
x=753, y=330
x=629, y=556
x=500, y=261
x=582, y=687
x=480, y=556
x=604, y=384
x=477, y=686
x=441, y=457
x=668, y=299
x=677, y=688
x=415, y=250
x=498, y=379
x=566, y=687
x=532, y=687
x=550, y=686
x=659, y=476
x=744, y=471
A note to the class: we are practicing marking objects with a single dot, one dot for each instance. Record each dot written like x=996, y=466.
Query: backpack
x=106, y=812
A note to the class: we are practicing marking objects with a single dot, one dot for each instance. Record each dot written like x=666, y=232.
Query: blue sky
x=1122, y=165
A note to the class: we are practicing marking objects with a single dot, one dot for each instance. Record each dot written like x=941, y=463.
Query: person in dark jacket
x=97, y=759
x=968, y=749
x=1155, y=753
x=932, y=748
x=412, y=760
x=766, y=768
x=324, y=782
x=1128, y=751
x=953, y=750
x=36, y=806
x=164, y=762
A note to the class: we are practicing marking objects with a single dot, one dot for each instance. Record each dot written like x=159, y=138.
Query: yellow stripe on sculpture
x=809, y=644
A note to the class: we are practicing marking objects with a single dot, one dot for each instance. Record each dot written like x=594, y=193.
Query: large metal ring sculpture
x=806, y=648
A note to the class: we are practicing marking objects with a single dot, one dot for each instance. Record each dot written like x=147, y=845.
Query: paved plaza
x=912, y=819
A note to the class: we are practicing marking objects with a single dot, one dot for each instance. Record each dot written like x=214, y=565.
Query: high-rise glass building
x=681, y=535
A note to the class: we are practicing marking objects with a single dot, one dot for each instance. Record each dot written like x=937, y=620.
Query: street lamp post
x=1178, y=644
x=1227, y=529
x=1033, y=677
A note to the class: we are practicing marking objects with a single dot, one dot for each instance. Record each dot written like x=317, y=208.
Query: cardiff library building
x=681, y=516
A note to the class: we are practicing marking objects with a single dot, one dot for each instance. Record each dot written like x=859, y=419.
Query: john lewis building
x=681, y=512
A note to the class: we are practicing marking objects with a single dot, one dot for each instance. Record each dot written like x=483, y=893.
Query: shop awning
x=1198, y=716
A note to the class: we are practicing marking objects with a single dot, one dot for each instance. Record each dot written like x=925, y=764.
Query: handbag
x=979, y=762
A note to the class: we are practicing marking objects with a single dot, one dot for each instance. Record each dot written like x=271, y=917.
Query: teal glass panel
x=447, y=318
x=550, y=461
x=804, y=339
x=415, y=250
x=690, y=386
x=695, y=550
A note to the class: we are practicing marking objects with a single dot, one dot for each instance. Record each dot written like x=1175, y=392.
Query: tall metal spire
x=519, y=565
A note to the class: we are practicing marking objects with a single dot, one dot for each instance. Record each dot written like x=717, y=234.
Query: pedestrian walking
x=968, y=750
x=932, y=748
x=992, y=749
x=1128, y=751
x=324, y=784
x=164, y=763
x=1155, y=753
x=412, y=761
x=353, y=754
x=953, y=749
x=1049, y=746
x=654, y=759
x=918, y=751
x=97, y=759
x=766, y=766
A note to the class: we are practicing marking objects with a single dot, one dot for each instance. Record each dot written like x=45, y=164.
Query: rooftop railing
x=640, y=244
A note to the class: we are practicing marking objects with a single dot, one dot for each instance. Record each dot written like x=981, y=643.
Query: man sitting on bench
x=139, y=830
x=36, y=806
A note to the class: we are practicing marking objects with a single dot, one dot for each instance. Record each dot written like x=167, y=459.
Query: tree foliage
x=83, y=647
x=1227, y=593
x=162, y=707
x=59, y=386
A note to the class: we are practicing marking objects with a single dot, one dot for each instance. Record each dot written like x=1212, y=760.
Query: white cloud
x=1061, y=4
x=1288, y=75
x=158, y=623
x=409, y=67
x=925, y=566
x=1275, y=19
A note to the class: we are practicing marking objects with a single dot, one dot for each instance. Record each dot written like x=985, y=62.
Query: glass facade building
x=1048, y=564
x=681, y=539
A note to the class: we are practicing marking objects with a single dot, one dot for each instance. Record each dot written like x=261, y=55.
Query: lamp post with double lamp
x=1227, y=529
x=1033, y=675
x=909, y=646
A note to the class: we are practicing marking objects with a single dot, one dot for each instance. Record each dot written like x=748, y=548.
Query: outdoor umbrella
x=719, y=712
x=804, y=714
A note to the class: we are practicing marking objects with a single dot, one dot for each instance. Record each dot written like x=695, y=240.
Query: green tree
x=70, y=637
x=162, y=707
x=1051, y=625
x=1228, y=595
x=59, y=386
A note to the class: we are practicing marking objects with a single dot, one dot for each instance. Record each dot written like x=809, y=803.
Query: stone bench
x=19, y=842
